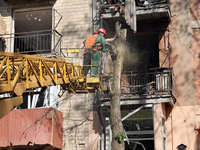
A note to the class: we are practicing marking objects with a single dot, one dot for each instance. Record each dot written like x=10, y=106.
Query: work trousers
x=86, y=63
x=95, y=62
x=104, y=61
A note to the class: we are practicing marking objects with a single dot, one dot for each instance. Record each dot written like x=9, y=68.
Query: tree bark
x=115, y=112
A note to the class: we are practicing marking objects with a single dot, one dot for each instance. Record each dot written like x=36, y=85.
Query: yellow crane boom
x=19, y=73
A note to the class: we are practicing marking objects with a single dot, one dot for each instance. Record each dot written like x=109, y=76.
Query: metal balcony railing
x=37, y=42
x=151, y=83
x=142, y=83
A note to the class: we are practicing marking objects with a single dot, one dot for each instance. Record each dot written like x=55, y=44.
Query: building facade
x=160, y=87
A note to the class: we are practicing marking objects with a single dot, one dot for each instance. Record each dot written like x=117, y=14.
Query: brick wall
x=2, y=25
x=81, y=125
x=6, y=19
x=75, y=26
x=76, y=22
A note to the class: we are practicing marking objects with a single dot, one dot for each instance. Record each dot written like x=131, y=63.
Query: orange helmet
x=102, y=30
x=95, y=32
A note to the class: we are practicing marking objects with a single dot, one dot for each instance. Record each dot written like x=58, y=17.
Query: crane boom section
x=20, y=72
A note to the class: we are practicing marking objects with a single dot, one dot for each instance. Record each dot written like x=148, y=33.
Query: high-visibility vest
x=89, y=43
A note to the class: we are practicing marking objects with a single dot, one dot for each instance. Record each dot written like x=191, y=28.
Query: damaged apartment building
x=160, y=84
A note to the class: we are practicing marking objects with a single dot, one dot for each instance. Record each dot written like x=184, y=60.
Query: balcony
x=154, y=86
x=152, y=9
x=118, y=8
x=135, y=11
x=33, y=43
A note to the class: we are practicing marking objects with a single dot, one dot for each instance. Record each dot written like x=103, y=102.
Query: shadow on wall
x=74, y=32
x=75, y=120
x=2, y=45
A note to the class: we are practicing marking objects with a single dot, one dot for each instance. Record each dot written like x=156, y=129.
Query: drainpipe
x=169, y=49
x=153, y=123
x=101, y=22
x=54, y=35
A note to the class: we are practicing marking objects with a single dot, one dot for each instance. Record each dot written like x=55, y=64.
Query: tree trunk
x=115, y=113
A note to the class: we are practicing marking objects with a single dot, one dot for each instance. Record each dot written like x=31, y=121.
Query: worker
x=87, y=56
x=95, y=32
x=88, y=43
x=106, y=55
x=100, y=45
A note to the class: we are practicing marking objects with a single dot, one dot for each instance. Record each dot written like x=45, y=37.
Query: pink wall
x=181, y=119
x=40, y=126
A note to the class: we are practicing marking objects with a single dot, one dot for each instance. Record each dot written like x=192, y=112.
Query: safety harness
x=97, y=47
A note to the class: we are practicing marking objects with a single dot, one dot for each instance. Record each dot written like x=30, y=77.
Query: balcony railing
x=37, y=42
x=151, y=83
x=144, y=83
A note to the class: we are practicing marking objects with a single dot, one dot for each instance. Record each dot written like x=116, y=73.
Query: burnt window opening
x=143, y=52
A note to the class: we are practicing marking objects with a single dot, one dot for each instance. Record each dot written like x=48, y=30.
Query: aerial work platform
x=19, y=73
